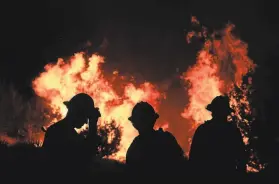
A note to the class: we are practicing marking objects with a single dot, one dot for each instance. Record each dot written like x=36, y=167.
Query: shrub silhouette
x=247, y=120
x=22, y=120
x=110, y=136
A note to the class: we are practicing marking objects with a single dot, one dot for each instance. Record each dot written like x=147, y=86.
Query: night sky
x=141, y=36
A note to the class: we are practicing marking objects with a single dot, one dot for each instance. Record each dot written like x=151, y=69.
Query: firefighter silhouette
x=66, y=149
x=217, y=146
x=152, y=150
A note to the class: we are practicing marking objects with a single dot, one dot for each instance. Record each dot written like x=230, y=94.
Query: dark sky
x=141, y=36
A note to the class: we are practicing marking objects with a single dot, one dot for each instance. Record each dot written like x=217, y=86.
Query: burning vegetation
x=63, y=80
x=222, y=67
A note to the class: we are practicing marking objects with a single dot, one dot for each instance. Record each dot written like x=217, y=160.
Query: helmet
x=80, y=100
x=83, y=103
x=220, y=102
x=143, y=110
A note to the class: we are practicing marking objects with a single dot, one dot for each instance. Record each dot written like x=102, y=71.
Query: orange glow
x=204, y=86
x=60, y=81
x=7, y=139
x=221, y=64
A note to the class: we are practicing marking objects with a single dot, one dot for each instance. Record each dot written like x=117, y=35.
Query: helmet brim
x=66, y=103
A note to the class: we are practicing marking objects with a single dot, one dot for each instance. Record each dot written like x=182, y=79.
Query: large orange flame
x=220, y=66
x=205, y=85
x=221, y=63
x=61, y=81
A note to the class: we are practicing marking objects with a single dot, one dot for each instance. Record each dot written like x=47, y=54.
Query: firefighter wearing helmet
x=67, y=149
x=217, y=146
x=143, y=117
x=152, y=150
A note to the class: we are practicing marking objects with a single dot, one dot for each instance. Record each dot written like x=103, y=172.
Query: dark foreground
x=26, y=163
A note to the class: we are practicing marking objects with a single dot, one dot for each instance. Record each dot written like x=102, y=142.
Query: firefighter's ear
x=98, y=113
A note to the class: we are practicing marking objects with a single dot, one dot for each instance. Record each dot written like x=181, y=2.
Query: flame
x=61, y=81
x=164, y=126
x=9, y=140
x=205, y=85
x=221, y=65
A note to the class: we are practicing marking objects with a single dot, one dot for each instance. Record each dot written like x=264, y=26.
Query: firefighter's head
x=143, y=116
x=81, y=108
x=220, y=107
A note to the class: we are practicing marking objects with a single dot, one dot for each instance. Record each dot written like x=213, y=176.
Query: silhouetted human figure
x=152, y=151
x=70, y=153
x=217, y=146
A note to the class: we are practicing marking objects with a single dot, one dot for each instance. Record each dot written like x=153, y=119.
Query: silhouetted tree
x=22, y=120
x=245, y=117
x=3, y=145
x=110, y=137
x=12, y=108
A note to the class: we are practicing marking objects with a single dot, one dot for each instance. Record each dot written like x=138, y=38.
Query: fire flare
x=220, y=67
x=221, y=64
x=60, y=81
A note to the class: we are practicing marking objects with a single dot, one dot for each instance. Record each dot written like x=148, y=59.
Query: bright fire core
x=63, y=80
x=221, y=63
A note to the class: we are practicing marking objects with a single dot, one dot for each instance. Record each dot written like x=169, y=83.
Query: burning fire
x=221, y=65
x=61, y=81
